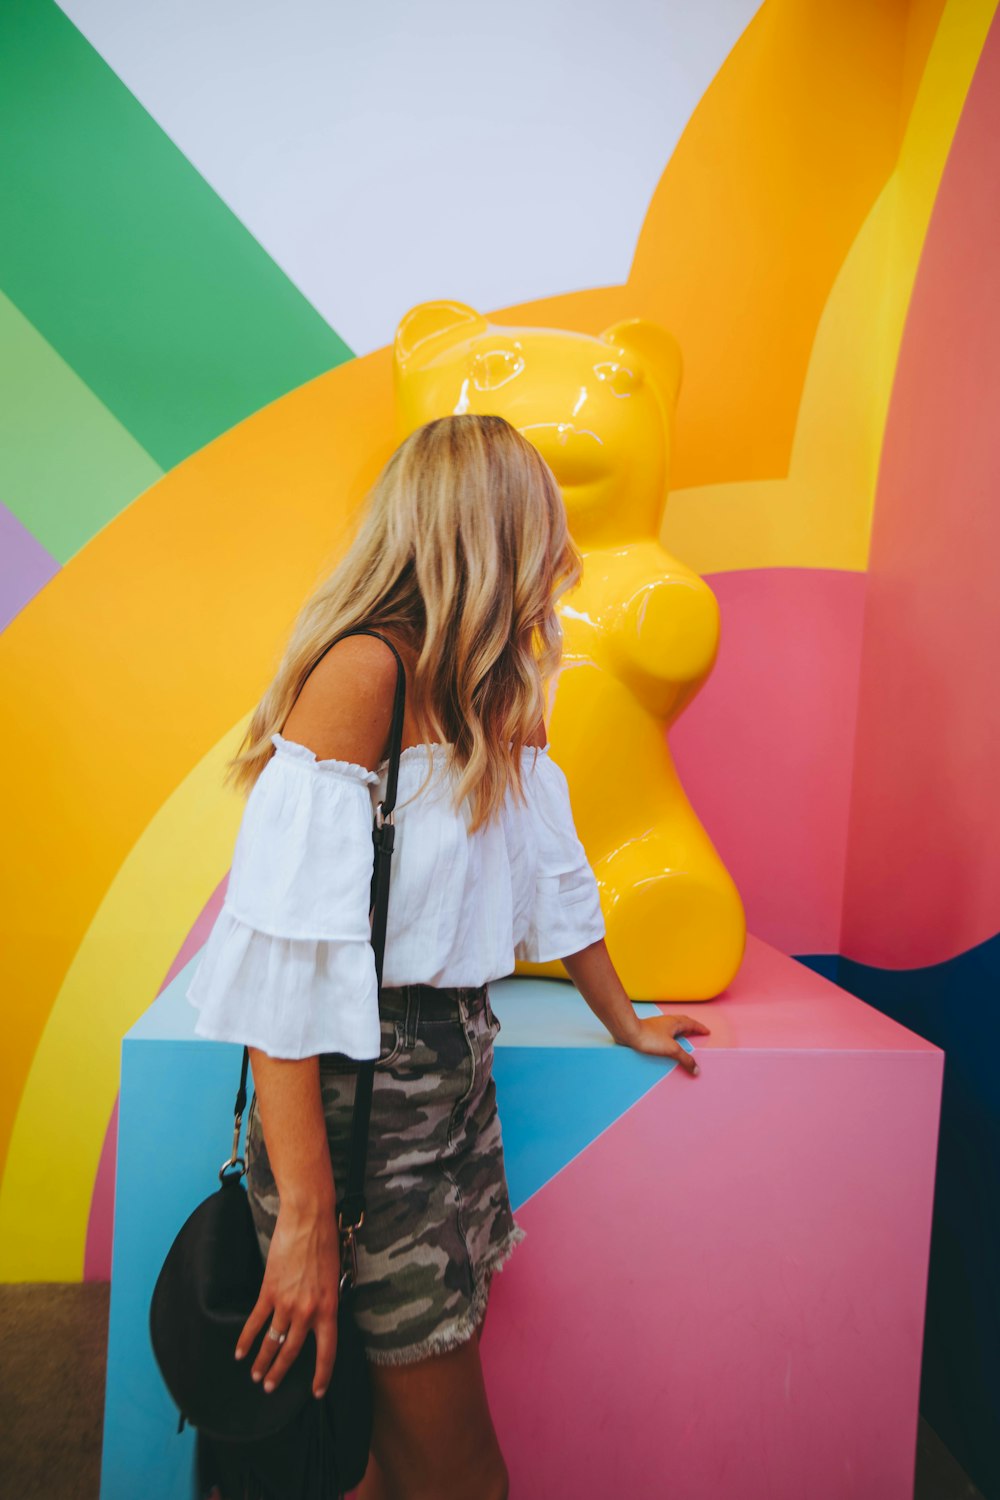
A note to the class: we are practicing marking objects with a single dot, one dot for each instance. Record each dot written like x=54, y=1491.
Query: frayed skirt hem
x=456, y=1331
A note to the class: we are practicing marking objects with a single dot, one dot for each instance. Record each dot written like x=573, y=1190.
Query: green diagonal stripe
x=67, y=466
x=126, y=261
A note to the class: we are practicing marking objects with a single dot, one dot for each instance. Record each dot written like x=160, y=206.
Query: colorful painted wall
x=221, y=215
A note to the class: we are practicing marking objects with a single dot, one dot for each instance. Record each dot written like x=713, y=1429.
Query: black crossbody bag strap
x=351, y=1203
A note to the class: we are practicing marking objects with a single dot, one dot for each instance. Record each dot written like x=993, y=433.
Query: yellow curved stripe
x=160, y=890
x=820, y=515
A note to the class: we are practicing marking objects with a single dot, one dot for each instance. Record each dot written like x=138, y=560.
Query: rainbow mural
x=188, y=440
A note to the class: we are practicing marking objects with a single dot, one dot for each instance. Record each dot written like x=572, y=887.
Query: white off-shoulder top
x=288, y=965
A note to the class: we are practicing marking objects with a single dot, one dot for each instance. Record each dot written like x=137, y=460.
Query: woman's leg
x=433, y=1437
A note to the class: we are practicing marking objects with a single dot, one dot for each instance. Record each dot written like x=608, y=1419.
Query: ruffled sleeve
x=565, y=912
x=288, y=965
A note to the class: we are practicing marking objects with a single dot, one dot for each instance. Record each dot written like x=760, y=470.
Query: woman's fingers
x=280, y=1357
x=685, y=1058
x=275, y=1356
x=286, y=1353
x=657, y=1035
x=263, y=1308
x=326, y=1350
x=685, y=1024
x=281, y=1322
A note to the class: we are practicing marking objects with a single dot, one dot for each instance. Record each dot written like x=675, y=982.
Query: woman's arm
x=343, y=712
x=596, y=977
x=302, y=1275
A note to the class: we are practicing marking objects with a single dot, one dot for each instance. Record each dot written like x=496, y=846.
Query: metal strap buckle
x=347, y=1243
x=234, y=1160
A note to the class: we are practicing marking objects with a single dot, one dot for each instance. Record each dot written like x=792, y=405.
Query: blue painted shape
x=561, y=1078
x=826, y=964
x=554, y=1101
x=175, y=1129
x=551, y=1013
x=171, y=1017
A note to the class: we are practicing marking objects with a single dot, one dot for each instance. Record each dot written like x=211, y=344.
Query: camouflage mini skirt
x=438, y=1219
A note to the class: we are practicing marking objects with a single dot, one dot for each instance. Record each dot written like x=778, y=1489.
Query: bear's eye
x=621, y=380
x=494, y=367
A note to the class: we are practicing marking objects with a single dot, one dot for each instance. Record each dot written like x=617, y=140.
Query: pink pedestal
x=721, y=1297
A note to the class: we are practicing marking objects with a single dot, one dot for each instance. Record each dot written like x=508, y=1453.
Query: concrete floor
x=54, y=1341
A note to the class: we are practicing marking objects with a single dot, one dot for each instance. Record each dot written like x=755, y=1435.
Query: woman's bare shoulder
x=344, y=708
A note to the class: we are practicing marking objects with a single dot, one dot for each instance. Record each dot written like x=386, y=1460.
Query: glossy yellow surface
x=641, y=630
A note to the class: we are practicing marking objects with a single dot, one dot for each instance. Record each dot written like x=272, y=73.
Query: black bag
x=286, y=1444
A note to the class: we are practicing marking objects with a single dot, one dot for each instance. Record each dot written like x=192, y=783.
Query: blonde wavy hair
x=463, y=550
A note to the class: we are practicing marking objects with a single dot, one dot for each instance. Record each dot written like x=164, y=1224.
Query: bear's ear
x=658, y=352
x=422, y=330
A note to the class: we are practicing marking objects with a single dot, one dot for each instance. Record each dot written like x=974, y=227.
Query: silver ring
x=279, y=1338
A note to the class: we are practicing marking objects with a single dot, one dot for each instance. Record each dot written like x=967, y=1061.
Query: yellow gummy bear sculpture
x=640, y=630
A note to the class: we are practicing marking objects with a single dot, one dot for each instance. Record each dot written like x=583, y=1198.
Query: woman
x=459, y=560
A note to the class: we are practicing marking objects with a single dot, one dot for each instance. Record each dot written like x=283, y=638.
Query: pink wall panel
x=722, y=1295
x=764, y=751
x=923, y=864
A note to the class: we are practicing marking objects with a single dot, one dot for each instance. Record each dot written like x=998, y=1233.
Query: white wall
x=384, y=153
